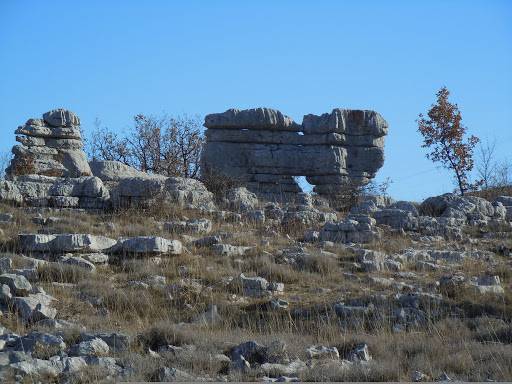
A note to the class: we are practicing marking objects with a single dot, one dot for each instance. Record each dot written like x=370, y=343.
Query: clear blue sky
x=113, y=59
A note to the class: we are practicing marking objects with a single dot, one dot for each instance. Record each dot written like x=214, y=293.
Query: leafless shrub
x=218, y=183
x=163, y=333
x=494, y=175
x=502, y=175
x=486, y=166
x=5, y=159
x=349, y=194
x=166, y=145
x=105, y=144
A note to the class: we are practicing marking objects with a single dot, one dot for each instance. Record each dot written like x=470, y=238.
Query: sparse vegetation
x=347, y=195
x=165, y=145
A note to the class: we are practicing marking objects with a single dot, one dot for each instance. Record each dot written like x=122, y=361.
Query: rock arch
x=264, y=149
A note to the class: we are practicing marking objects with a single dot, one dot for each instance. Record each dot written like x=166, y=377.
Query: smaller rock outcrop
x=50, y=168
x=130, y=187
x=353, y=229
x=50, y=146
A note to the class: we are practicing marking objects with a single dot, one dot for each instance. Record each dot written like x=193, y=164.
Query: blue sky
x=114, y=59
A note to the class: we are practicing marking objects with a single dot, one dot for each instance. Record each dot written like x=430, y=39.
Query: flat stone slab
x=61, y=243
x=256, y=118
x=147, y=245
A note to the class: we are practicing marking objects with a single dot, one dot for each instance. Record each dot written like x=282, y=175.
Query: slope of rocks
x=246, y=289
x=242, y=294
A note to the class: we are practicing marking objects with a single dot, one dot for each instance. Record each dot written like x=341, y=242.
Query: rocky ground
x=257, y=292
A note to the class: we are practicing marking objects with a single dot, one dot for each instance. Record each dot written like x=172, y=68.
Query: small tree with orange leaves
x=443, y=133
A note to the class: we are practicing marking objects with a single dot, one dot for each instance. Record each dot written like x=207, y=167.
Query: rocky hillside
x=111, y=274
x=256, y=291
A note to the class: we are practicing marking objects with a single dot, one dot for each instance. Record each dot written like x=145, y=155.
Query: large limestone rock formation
x=264, y=149
x=51, y=146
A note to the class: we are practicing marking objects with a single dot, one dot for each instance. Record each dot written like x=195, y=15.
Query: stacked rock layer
x=265, y=149
x=51, y=146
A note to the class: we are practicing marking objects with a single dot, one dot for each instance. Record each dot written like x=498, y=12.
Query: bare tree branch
x=164, y=145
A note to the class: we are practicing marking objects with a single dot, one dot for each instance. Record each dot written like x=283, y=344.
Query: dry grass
x=468, y=336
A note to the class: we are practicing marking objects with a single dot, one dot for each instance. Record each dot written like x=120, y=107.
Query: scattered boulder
x=282, y=372
x=63, y=243
x=229, y=250
x=73, y=364
x=5, y=294
x=40, y=343
x=207, y=241
x=486, y=284
x=278, y=304
x=112, y=171
x=305, y=215
x=34, y=307
x=418, y=376
x=78, y=262
x=96, y=258
x=240, y=199
x=210, y=317
x=320, y=352
x=253, y=286
x=470, y=208
x=251, y=354
x=258, y=286
x=45, y=191
x=359, y=353
x=196, y=226
x=5, y=265
x=147, y=245
x=165, y=374
x=37, y=368
x=93, y=347
x=396, y=218
x=372, y=261
x=145, y=190
x=117, y=342
x=6, y=218
x=353, y=229
x=18, y=285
